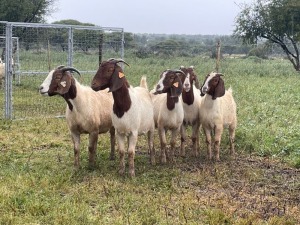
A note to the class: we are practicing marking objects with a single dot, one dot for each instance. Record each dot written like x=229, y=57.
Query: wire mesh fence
x=30, y=51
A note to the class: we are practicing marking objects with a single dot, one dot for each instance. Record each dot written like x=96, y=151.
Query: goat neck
x=119, y=87
x=188, y=97
x=71, y=94
x=171, y=101
x=122, y=100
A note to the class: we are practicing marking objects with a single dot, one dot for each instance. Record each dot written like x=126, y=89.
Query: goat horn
x=179, y=71
x=60, y=66
x=119, y=60
x=70, y=69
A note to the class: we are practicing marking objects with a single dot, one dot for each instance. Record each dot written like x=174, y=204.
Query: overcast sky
x=154, y=16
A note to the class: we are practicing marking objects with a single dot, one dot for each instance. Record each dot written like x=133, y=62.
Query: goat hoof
x=152, y=162
x=132, y=174
x=163, y=160
x=121, y=172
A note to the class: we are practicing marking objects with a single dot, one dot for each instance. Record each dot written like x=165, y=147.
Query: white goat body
x=132, y=110
x=169, y=119
x=191, y=101
x=168, y=110
x=87, y=112
x=218, y=110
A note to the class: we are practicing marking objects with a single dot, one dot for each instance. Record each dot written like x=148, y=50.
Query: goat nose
x=157, y=87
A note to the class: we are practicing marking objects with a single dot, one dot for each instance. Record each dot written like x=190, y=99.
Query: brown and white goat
x=168, y=109
x=132, y=110
x=191, y=100
x=87, y=112
x=217, y=110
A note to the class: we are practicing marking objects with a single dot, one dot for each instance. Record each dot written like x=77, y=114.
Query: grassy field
x=260, y=185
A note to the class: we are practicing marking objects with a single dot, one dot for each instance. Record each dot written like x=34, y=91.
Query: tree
x=29, y=11
x=277, y=21
x=91, y=37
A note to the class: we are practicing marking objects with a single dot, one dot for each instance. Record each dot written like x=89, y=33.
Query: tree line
x=263, y=21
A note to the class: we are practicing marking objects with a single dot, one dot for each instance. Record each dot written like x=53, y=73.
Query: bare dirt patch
x=244, y=186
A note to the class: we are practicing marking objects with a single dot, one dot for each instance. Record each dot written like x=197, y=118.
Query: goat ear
x=116, y=80
x=220, y=89
x=64, y=84
x=176, y=88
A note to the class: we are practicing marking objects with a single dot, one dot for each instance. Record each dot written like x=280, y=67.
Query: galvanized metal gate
x=31, y=50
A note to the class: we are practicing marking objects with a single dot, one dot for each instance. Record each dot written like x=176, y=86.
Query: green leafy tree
x=29, y=11
x=277, y=21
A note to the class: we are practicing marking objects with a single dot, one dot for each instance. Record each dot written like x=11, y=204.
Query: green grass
x=38, y=184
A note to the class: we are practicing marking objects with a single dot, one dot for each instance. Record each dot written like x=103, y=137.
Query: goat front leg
x=231, y=139
x=112, y=143
x=198, y=139
x=76, y=143
x=195, y=139
x=163, y=143
x=131, y=152
x=121, y=146
x=218, y=134
x=93, y=139
x=151, y=146
x=174, y=135
x=183, y=138
x=207, y=133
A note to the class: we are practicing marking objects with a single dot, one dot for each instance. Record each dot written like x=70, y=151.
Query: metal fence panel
x=32, y=50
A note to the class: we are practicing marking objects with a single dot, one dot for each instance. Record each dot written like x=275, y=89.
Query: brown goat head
x=61, y=80
x=109, y=75
x=213, y=85
x=170, y=81
x=189, y=71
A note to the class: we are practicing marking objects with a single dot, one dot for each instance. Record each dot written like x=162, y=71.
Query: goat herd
x=111, y=104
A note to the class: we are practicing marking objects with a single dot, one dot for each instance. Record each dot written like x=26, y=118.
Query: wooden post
x=218, y=52
x=100, y=47
x=48, y=55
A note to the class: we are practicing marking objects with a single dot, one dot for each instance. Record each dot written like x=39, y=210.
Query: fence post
x=70, y=47
x=8, y=71
x=218, y=52
x=122, y=48
x=100, y=47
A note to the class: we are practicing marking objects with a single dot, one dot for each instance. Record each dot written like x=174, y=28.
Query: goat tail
x=143, y=82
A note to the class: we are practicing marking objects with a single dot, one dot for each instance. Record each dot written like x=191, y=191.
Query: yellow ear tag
x=175, y=84
x=63, y=83
x=121, y=75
